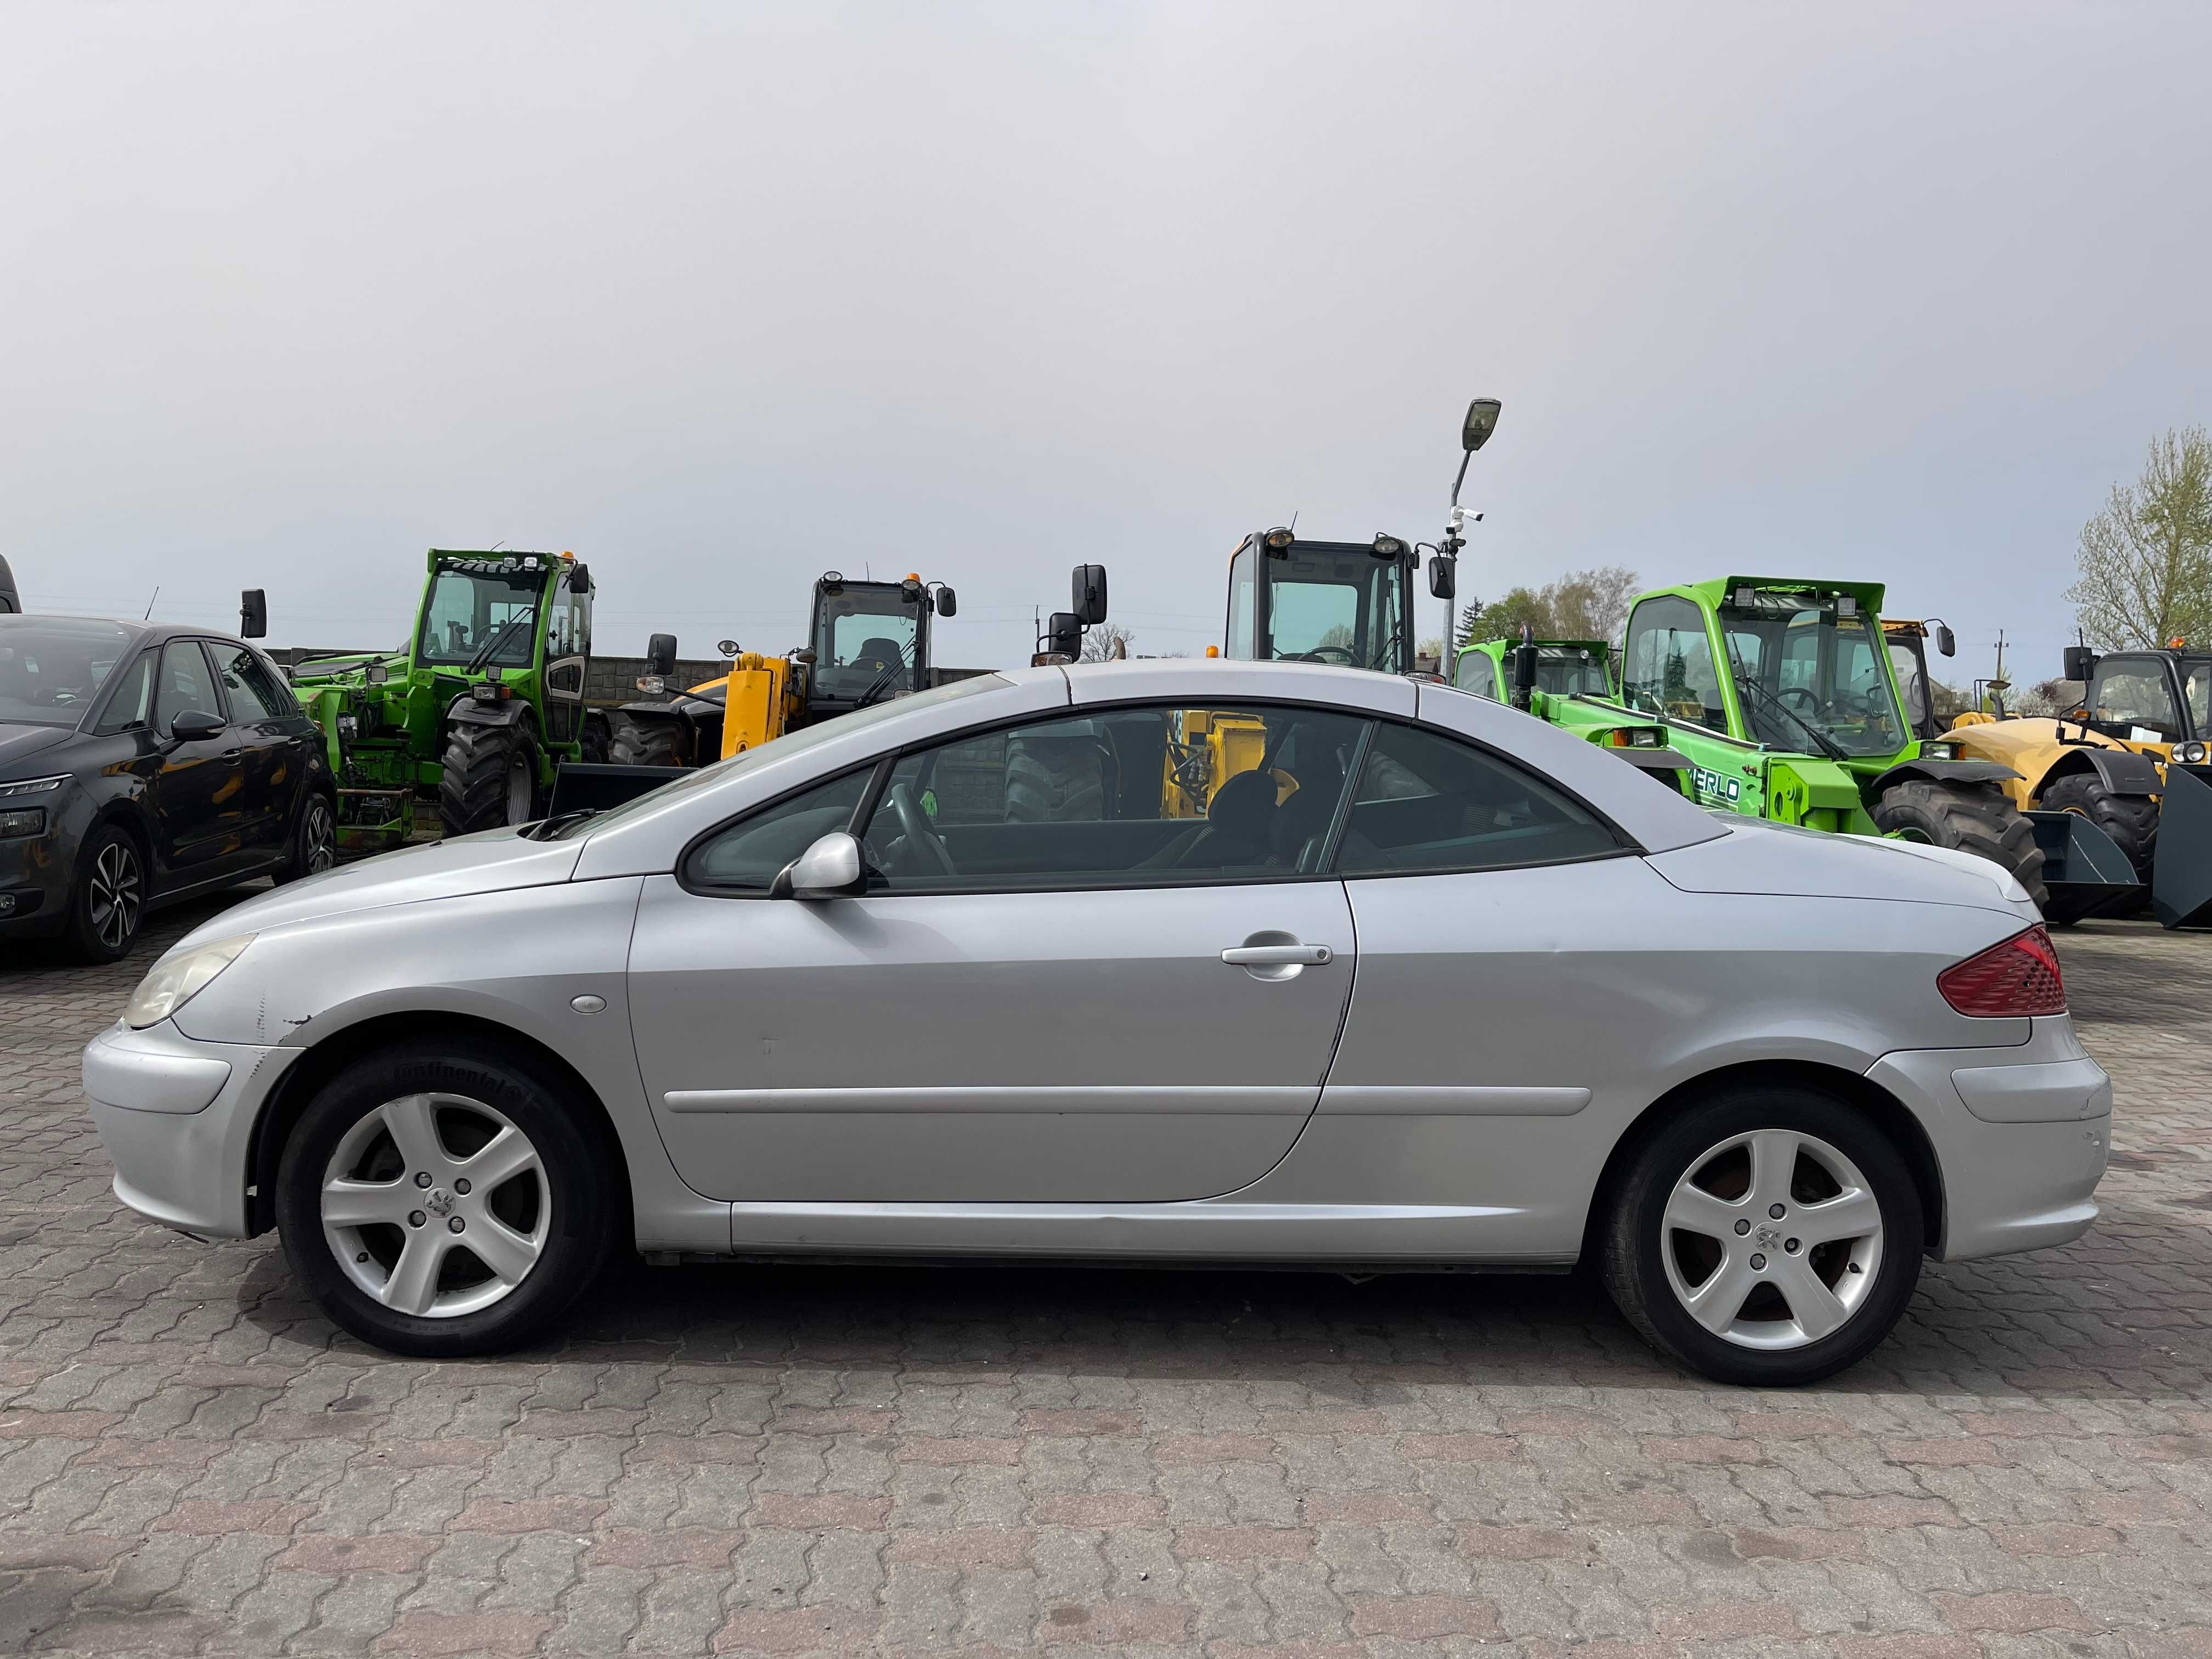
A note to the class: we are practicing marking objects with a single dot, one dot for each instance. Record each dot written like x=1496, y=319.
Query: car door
x=271, y=734
x=1054, y=989
x=196, y=791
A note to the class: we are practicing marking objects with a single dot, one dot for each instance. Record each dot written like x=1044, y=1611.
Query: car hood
x=490, y=861
x=1756, y=856
x=21, y=742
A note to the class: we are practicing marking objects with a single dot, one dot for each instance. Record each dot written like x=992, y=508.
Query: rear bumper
x=177, y=1118
x=2020, y=1135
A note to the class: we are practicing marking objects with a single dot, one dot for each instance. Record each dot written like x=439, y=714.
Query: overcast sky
x=719, y=297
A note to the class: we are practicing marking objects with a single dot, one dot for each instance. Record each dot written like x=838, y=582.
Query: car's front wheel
x=1769, y=1236
x=107, y=900
x=442, y=1198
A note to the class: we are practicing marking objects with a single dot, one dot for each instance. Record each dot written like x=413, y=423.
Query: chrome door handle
x=1278, y=955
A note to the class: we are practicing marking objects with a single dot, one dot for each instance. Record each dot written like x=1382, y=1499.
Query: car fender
x=1940, y=771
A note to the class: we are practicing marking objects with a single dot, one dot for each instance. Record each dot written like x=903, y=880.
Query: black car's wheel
x=2130, y=820
x=1975, y=817
x=442, y=1198
x=1768, y=1237
x=107, y=900
x=314, y=840
x=489, y=778
x=645, y=743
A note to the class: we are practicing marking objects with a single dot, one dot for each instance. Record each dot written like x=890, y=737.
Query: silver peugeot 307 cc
x=1188, y=962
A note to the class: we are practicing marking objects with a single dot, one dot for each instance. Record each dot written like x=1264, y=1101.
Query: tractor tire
x=2130, y=820
x=1975, y=818
x=594, y=742
x=645, y=743
x=490, y=778
x=1053, y=781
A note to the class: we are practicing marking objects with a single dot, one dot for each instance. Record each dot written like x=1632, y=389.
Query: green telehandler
x=479, y=708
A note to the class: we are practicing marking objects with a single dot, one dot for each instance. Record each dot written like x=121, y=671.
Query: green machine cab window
x=1667, y=667
x=1811, y=672
x=468, y=610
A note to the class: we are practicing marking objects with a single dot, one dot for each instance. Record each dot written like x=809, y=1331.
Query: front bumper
x=34, y=878
x=2021, y=1135
x=177, y=1117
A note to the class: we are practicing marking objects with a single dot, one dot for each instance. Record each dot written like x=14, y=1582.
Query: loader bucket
x=585, y=787
x=2181, y=878
x=2084, y=871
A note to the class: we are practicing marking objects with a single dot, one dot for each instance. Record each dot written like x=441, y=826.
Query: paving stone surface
x=778, y=1461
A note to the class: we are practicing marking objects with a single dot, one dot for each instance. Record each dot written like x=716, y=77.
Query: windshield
x=1810, y=677
x=864, y=641
x=52, y=667
x=1572, y=670
x=467, y=609
x=1335, y=607
x=777, y=749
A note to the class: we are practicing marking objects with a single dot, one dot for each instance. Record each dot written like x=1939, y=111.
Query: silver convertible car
x=1190, y=962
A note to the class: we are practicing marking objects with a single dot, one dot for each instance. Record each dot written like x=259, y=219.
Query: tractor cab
x=1347, y=603
x=1563, y=668
x=870, y=640
x=2156, y=697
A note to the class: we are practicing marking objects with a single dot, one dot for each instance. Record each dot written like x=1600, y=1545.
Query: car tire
x=107, y=898
x=2130, y=820
x=351, y=1203
x=1770, y=1306
x=489, y=778
x=1976, y=818
x=314, y=845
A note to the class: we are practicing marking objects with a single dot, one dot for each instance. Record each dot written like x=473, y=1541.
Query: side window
x=560, y=627
x=1668, y=665
x=1148, y=797
x=132, y=702
x=254, y=694
x=2136, y=692
x=745, y=857
x=1428, y=803
x=185, y=685
x=1240, y=603
x=1477, y=674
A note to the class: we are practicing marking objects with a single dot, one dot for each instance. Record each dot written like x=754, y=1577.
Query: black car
x=141, y=763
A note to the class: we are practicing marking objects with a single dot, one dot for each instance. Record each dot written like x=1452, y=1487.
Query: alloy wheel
x=319, y=836
x=115, y=895
x=1772, y=1239
x=436, y=1205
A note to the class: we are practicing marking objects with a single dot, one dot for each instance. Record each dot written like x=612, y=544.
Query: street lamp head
x=1481, y=421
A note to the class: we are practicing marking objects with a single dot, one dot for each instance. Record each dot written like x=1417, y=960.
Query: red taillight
x=2013, y=980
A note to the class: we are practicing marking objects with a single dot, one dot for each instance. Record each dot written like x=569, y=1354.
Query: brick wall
x=609, y=680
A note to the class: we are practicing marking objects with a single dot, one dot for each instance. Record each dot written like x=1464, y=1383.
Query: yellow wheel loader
x=2130, y=760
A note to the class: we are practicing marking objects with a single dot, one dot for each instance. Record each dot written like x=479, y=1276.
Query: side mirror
x=2080, y=662
x=196, y=725
x=829, y=869
x=1946, y=640
x=1443, y=577
x=252, y=614
x=1063, y=634
x=1088, y=595
x=1481, y=421
x=580, y=578
x=948, y=603
x=660, y=654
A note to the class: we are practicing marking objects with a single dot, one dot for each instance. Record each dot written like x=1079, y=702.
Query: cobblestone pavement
x=737, y=1460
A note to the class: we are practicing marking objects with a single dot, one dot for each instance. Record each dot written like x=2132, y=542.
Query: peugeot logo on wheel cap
x=438, y=1201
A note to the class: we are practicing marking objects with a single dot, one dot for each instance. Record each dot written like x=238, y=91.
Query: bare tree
x=2146, y=560
x=1591, y=605
x=1106, y=643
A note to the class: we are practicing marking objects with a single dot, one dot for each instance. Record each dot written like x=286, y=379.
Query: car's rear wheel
x=443, y=1199
x=1768, y=1237
x=107, y=900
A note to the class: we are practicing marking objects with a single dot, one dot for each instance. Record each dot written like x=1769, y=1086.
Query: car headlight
x=175, y=981
x=30, y=792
